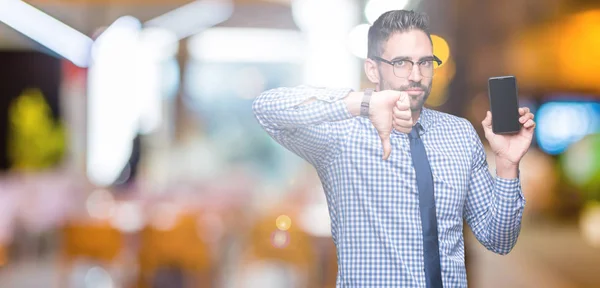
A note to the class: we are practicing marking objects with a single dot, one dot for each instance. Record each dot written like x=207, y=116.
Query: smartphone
x=504, y=104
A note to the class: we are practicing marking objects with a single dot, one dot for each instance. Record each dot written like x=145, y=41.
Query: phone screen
x=504, y=104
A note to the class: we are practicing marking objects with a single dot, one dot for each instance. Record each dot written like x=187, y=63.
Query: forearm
x=284, y=108
x=494, y=206
x=308, y=121
x=499, y=226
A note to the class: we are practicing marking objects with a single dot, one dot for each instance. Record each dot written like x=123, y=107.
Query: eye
x=426, y=63
x=400, y=63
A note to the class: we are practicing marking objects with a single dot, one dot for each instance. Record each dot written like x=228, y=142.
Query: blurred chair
x=97, y=242
x=169, y=254
x=278, y=254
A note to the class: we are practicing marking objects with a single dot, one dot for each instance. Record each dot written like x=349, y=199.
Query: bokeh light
x=579, y=35
x=280, y=239
x=331, y=15
x=164, y=216
x=581, y=165
x=97, y=277
x=559, y=124
x=358, y=40
x=375, y=8
x=443, y=74
x=283, y=222
x=100, y=204
x=590, y=224
x=441, y=49
x=315, y=220
x=158, y=44
x=538, y=57
x=439, y=87
x=128, y=217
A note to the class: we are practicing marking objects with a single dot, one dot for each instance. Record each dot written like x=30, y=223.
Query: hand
x=514, y=146
x=402, y=115
x=381, y=114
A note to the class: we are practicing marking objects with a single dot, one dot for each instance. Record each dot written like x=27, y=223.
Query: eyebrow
x=399, y=58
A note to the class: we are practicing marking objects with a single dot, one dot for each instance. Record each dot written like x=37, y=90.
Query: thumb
x=387, y=146
x=403, y=97
x=487, y=123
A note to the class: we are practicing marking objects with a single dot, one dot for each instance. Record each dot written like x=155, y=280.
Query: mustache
x=413, y=85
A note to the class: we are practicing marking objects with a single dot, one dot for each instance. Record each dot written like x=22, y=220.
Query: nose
x=415, y=74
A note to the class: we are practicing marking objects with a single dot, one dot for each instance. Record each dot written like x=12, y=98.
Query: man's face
x=413, y=45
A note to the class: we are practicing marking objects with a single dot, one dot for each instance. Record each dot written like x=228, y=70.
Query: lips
x=414, y=91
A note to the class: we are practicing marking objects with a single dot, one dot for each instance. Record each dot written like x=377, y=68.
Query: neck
x=415, y=115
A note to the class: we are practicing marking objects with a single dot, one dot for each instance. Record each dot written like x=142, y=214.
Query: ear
x=371, y=71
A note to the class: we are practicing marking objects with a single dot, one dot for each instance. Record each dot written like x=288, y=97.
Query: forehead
x=413, y=43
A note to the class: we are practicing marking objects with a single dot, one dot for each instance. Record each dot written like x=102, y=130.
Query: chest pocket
x=450, y=168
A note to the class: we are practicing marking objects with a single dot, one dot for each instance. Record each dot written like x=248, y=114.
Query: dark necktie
x=433, y=274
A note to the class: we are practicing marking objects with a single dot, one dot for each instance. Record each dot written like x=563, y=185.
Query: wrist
x=353, y=101
x=506, y=169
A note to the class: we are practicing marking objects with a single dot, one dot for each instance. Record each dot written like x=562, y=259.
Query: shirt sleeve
x=494, y=207
x=312, y=130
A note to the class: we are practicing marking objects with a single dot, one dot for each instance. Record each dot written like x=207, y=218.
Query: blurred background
x=130, y=157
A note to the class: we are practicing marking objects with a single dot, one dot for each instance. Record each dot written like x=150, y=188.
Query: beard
x=416, y=101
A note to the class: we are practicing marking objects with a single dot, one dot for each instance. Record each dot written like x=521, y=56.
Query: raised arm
x=494, y=207
x=314, y=122
x=308, y=121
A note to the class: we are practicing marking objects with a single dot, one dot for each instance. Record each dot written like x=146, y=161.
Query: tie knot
x=414, y=133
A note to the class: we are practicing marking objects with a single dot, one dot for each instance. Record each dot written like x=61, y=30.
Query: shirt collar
x=425, y=119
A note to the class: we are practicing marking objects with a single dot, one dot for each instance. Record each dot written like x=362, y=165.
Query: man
x=400, y=178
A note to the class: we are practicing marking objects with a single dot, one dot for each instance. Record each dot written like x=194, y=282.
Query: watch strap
x=364, y=105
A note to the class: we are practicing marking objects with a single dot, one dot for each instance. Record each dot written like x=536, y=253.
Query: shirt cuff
x=509, y=189
x=336, y=110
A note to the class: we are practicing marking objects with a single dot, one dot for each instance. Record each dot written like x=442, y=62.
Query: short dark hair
x=392, y=22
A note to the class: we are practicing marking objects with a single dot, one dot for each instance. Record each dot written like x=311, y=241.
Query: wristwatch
x=364, y=105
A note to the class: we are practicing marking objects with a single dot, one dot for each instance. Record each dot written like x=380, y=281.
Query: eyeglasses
x=404, y=67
